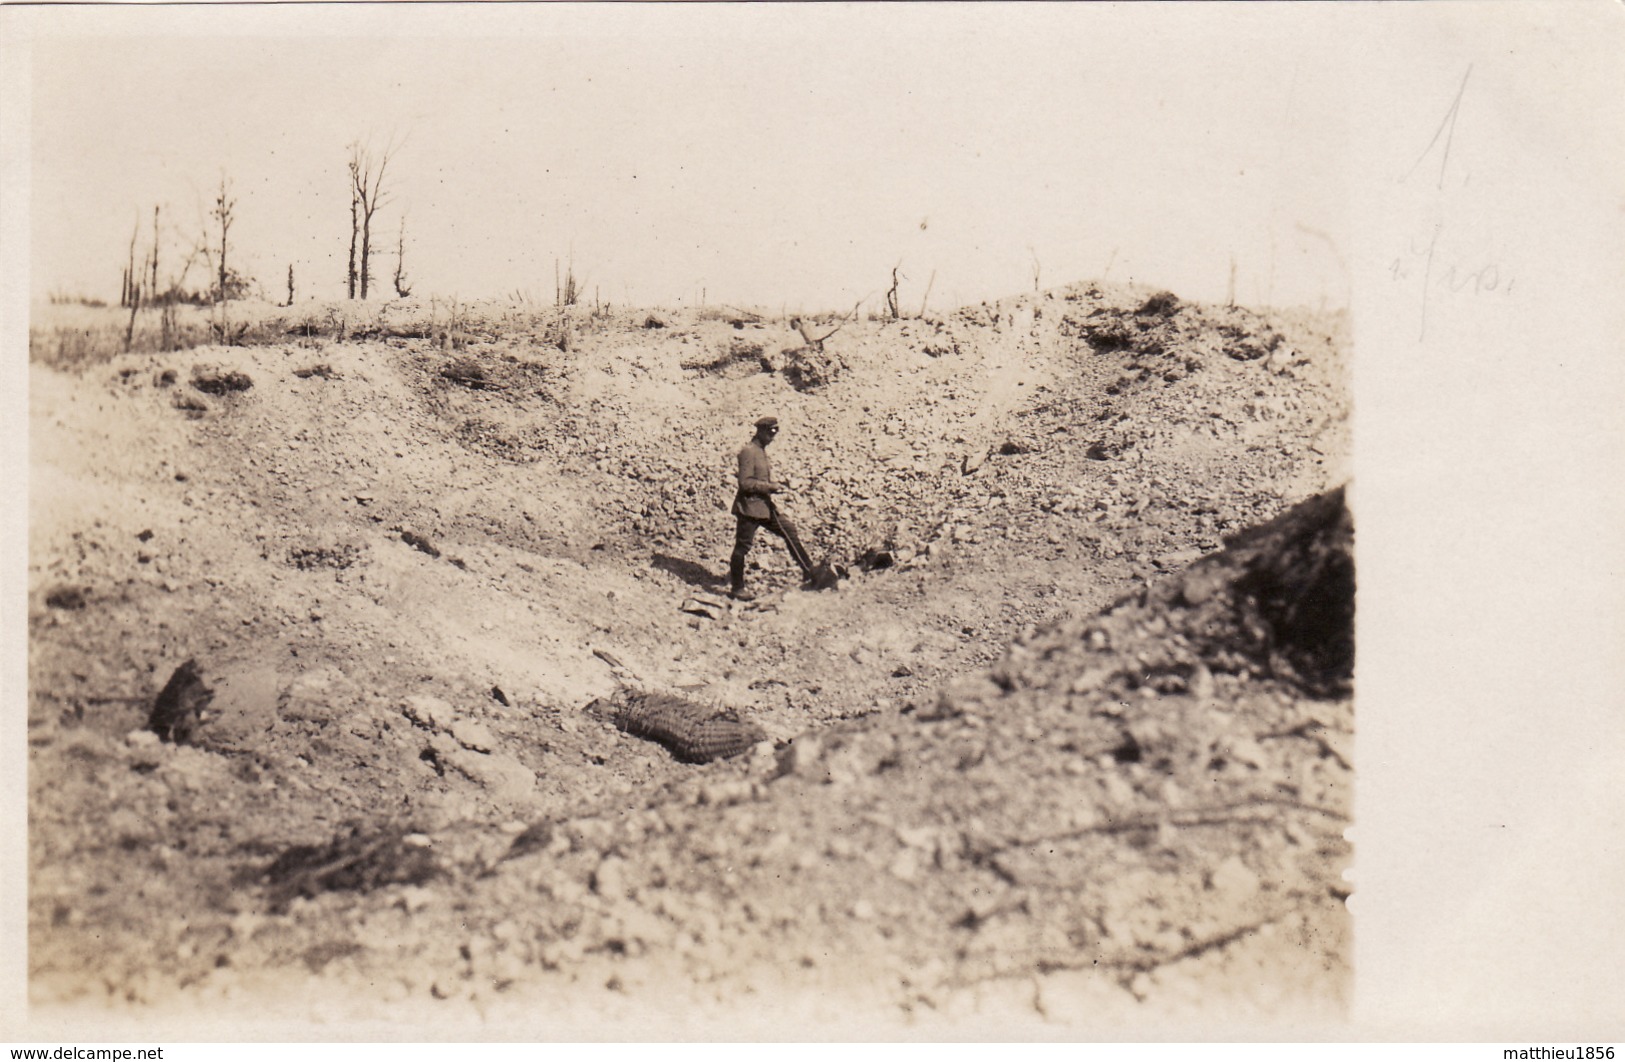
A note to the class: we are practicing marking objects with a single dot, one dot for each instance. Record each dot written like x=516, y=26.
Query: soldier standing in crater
x=754, y=508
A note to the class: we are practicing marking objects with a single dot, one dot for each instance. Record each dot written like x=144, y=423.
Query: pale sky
x=752, y=154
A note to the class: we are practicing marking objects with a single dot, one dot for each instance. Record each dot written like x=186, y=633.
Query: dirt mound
x=360, y=559
x=1293, y=611
x=1179, y=822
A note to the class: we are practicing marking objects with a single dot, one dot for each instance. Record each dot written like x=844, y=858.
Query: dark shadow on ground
x=689, y=572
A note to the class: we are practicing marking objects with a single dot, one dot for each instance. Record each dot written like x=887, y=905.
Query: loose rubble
x=1066, y=744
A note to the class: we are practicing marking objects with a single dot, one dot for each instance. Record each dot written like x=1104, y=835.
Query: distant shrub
x=73, y=337
x=739, y=351
x=808, y=368
x=465, y=370
x=1162, y=304
x=1113, y=334
x=212, y=381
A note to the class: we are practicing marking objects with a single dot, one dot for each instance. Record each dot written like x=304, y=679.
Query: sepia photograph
x=737, y=521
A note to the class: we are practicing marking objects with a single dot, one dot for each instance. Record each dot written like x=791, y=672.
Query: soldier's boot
x=736, y=577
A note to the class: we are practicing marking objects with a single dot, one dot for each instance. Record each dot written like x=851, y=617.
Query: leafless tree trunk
x=224, y=205
x=367, y=189
x=355, y=220
x=290, y=283
x=155, y=252
x=891, y=295
x=402, y=289
x=134, y=281
x=129, y=329
x=928, y=285
x=566, y=292
x=179, y=283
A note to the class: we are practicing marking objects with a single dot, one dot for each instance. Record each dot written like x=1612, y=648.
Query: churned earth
x=1070, y=750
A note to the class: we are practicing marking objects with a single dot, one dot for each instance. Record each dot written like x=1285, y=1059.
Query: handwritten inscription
x=1432, y=261
x=1447, y=129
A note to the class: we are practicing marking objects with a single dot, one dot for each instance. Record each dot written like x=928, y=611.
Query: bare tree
x=134, y=289
x=891, y=294
x=131, y=281
x=566, y=292
x=366, y=196
x=928, y=286
x=290, y=283
x=178, y=284
x=355, y=208
x=155, y=251
x=816, y=342
x=223, y=214
x=402, y=288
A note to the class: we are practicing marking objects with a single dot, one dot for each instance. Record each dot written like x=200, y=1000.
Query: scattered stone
x=311, y=696
x=1200, y=684
x=906, y=865
x=472, y=735
x=141, y=739
x=66, y=597
x=609, y=879
x=193, y=406
x=698, y=607
x=1177, y=559
x=1198, y=587
x=1232, y=880
x=430, y=712
x=420, y=543
x=414, y=898
x=802, y=757
x=504, y=778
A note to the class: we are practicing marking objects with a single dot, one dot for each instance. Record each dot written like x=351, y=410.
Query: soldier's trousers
x=745, y=534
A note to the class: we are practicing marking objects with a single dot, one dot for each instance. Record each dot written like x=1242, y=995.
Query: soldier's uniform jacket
x=755, y=483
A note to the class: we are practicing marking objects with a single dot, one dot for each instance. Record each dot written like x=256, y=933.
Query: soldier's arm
x=749, y=480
